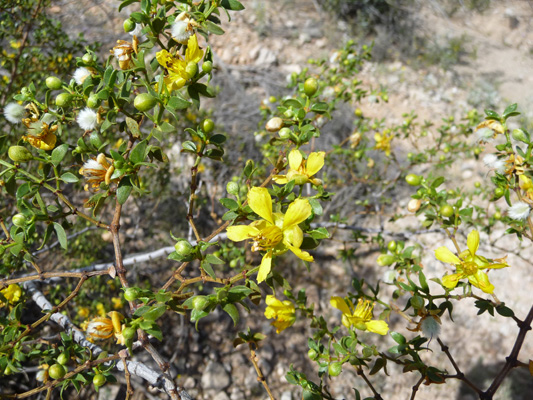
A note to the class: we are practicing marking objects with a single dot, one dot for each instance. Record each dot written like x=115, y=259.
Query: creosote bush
x=82, y=151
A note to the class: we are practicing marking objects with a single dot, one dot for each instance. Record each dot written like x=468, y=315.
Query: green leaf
x=380, y=363
x=320, y=108
x=504, y=311
x=398, y=338
x=133, y=127
x=232, y=312
x=232, y=5
x=69, y=177
x=139, y=152
x=155, y=331
x=126, y=3
x=294, y=103
x=492, y=114
x=61, y=235
x=188, y=146
x=217, y=139
x=230, y=204
x=510, y=109
x=177, y=103
x=213, y=28
x=437, y=182
x=208, y=269
x=212, y=259
x=59, y=153
x=466, y=212
x=156, y=312
x=124, y=189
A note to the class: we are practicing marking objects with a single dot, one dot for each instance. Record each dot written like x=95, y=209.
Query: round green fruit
x=199, y=303
x=446, y=210
x=99, y=380
x=131, y=294
x=144, y=102
x=19, y=220
x=497, y=215
x=232, y=188
x=207, y=67
x=413, y=180
x=129, y=333
x=285, y=133
x=384, y=260
x=62, y=359
x=310, y=86
x=63, y=99
x=57, y=371
x=498, y=192
x=92, y=101
x=53, y=83
x=87, y=58
x=335, y=369
x=208, y=125
x=358, y=112
x=128, y=25
x=391, y=245
x=312, y=354
x=183, y=248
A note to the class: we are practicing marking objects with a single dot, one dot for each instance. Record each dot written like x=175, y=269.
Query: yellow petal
x=450, y=281
x=473, y=242
x=260, y=202
x=299, y=210
x=280, y=179
x=265, y=267
x=481, y=281
x=304, y=255
x=293, y=236
x=295, y=159
x=445, y=255
x=193, y=52
x=377, y=326
x=315, y=162
x=238, y=233
x=340, y=304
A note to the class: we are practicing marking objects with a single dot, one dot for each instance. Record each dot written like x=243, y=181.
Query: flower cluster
x=301, y=170
x=12, y=294
x=359, y=317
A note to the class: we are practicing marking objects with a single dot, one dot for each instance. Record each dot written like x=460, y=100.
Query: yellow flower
x=359, y=317
x=101, y=310
x=383, y=142
x=41, y=135
x=100, y=328
x=275, y=233
x=301, y=170
x=282, y=311
x=12, y=294
x=83, y=312
x=515, y=165
x=469, y=265
x=97, y=171
x=176, y=66
x=117, y=303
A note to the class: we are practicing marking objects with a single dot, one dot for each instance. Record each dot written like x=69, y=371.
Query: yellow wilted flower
x=41, y=133
x=469, y=265
x=527, y=186
x=282, y=311
x=275, y=233
x=177, y=67
x=300, y=170
x=359, y=317
x=123, y=51
x=100, y=328
x=97, y=171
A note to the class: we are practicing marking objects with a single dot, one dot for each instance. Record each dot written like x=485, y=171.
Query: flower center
x=268, y=238
x=469, y=268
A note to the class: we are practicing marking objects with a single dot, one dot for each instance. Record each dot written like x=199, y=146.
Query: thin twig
x=260, y=377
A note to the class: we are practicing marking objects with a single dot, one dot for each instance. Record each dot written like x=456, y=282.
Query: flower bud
x=232, y=188
x=207, y=67
x=310, y=87
x=334, y=369
x=131, y=294
x=128, y=25
x=414, y=205
x=63, y=99
x=62, y=359
x=99, y=380
x=274, y=124
x=199, y=303
x=19, y=220
x=385, y=260
x=144, y=102
x=285, y=133
x=519, y=135
x=183, y=248
x=92, y=101
x=19, y=154
x=88, y=58
x=208, y=125
x=191, y=69
x=358, y=112
x=128, y=333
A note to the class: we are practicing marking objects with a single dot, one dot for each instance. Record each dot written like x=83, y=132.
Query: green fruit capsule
x=131, y=294
x=19, y=154
x=232, y=188
x=99, y=380
x=498, y=192
x=391, y=245
x=129, y=333
x=446, y=210
x=92, y=101
x=88, y=58
x=207, y=67
x=310, y=86
x=384, y=260
x=19, y=220
x=312, y=354
x=285, y=133
x=208, y=125
x=144, y=102
x=199, y=303
x=53, y=83
x=63, y=99
x=183, y=248
x=413, y=180
x=57, y=371
x=128, y=25
x=62, y=359
x=335, y=369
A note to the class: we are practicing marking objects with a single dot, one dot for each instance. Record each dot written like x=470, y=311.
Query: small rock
x=221, y=396
x=286, y=396
x=265, y=58
x=215, y=377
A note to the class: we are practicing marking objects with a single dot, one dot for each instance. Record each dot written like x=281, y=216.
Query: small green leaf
x=139, y=152
x=177, y=103
x=133, y=127
x=124, y=189
x=188, y=146
x=232, y=5
x=232, y=312
x=61, y=235
x=69, y=177
x=212, y=259
x=208, y=269
x=230, y=204
x=213, y=28
x=59, y=153
x=156, y=312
